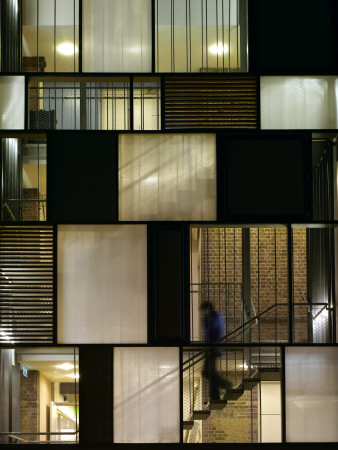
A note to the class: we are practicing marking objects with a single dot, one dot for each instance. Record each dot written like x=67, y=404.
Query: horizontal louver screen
x=210, y=102
x=26, y=284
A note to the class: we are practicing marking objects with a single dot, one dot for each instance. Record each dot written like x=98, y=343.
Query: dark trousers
x=216, y=381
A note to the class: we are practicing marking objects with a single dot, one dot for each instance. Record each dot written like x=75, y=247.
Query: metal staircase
x=241, y=366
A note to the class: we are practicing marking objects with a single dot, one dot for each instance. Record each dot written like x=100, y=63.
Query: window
x=201, y=36
x=50, y=35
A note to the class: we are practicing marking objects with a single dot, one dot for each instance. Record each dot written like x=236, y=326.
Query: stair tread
x=188, y=424
x=201, y=414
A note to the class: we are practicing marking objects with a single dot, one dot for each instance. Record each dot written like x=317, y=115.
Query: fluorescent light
x=76, y=376
x=66, y=48
x=65, y=366
x=219, y=49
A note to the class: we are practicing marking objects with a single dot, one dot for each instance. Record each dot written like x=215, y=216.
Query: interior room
x=39, y=395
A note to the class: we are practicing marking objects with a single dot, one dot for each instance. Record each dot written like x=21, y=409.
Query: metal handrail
x=38, y=433
x=9, y=210
x=242, y=327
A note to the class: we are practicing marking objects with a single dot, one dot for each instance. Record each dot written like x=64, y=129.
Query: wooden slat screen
x=210, y=102
x=26, y=284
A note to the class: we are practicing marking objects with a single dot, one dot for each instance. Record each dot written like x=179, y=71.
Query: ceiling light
x=65, y=366
x=66, y=49
x=219, y=49
x=77, y=376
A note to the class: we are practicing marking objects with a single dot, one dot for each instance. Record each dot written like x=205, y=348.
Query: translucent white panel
x=311, y=394
x=167, y=177
x=12, y=103
x=116, y=36
x=271, y=411
x=146, y=395
x=102, y=284
x=299, y=102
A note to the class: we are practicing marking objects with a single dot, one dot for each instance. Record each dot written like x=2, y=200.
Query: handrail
x=244, y=325
x=234, y=331
x=37, y=433
x=9, y=210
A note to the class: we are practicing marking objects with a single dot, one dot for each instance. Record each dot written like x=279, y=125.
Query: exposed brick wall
x=30, y=403
x=30, y=210
x=222, y=262
x=236, y=423
x=300, y=284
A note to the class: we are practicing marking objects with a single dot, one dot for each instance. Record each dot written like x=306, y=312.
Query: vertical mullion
x=206, y=35
x=217, y=34
x=186, y=34
x=202, y=34
x=37, y=39
x=74, y=37
x=223, y=32
x=80, y=36
x=276, y=292
x=283, y=393
x=290, y=282
x=229, y=36
x=153, y=31
x=131, y=102
x=55, y=40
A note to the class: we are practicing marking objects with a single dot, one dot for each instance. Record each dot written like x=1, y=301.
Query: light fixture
x=66, y=48
x=74, y=375
x=219, y=49
x=65, y=366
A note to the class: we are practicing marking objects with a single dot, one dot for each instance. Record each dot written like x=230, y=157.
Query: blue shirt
x=214, y=326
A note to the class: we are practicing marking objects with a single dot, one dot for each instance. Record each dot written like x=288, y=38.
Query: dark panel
x=264, y=176
x=96, y=394
x=290, y=36
x=82, y=177
x=167, y=273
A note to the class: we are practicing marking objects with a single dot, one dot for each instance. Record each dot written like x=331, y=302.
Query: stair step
x=201, y=414
x=217, y=404
x=188, y=424
x=235, y=394
x=250, y=383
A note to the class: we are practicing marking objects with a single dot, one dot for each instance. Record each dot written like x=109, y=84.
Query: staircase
x=241, y=366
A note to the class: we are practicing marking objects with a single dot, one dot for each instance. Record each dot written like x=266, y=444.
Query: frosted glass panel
x=271, y=426
x=12, y=103
x=116, y=36
x=146, y=395
x=167, y=177
x=311, y=394
x=102, y=284
x=299, y=102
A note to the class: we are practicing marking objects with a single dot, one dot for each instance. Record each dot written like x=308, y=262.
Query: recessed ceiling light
x=65, y=366
x=77, y=376
x=219, y=49
x=66, y=48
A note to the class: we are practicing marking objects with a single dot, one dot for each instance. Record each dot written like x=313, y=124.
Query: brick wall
x=236, y=423
x=221, y=251
x=30, y=403
x=30, y=210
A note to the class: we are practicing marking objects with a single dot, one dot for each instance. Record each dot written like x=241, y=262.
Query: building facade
x=157, y=155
